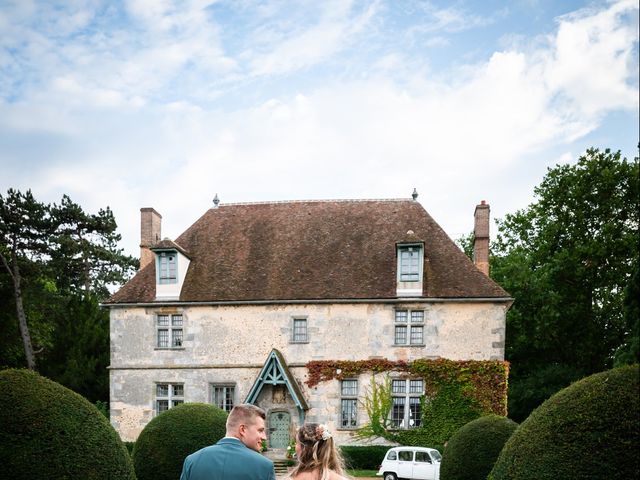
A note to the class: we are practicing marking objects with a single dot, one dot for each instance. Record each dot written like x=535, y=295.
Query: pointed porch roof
x=276, y=372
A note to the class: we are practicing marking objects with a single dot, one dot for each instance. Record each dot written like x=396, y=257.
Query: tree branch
x=6, y=264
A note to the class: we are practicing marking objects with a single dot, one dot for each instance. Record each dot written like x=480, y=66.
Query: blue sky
x=159, y=103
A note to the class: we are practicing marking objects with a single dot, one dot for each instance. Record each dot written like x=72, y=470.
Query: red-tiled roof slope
x=313, y=250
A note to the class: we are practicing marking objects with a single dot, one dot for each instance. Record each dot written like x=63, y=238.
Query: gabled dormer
x=410, y=267
x=172, y=263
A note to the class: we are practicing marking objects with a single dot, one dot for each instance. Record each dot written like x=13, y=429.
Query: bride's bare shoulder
x=305, y=476
x=313, y=475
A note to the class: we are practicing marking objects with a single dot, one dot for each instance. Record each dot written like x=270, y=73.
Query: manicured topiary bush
x=166, y=441
x=48, y=431
x=472, y=450
x=590, y=429
x=364, y=458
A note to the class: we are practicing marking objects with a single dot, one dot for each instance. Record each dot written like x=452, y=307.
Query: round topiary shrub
x=166, y=441
x=472, y=450
x=48, y=431
x=590, y=429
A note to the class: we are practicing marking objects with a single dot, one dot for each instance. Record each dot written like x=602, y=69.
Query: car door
x=405, y=463
x=423, y=468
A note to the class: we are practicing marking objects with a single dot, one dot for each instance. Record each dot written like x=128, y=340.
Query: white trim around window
x=408, y=327
x=167, y=267
x=406, y=409
x=169, y=330
x=299, y=330
x=168, y=395
x=410, y=262
x=223, y=395
x=349, y=403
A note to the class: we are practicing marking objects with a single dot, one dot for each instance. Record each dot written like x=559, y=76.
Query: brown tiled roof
x=313, y=250
x=168, y=244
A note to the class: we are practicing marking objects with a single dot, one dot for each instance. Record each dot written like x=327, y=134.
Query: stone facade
x=364, y=279
x=228, y=345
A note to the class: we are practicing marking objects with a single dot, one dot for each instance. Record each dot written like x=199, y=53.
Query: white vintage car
x=411, y=463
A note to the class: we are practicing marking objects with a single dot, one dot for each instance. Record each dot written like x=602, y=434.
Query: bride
x=318, y=457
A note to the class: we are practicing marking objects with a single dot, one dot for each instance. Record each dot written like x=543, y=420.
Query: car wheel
x=390, y=476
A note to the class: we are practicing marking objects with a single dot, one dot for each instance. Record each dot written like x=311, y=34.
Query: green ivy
x=456, y=392
x=442, y=417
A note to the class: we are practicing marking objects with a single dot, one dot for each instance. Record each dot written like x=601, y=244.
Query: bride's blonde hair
x=318, y=451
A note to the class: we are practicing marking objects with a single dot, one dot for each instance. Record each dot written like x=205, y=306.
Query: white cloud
x=305, y=47
x=593, y=58
x=131, y=109
x=448, y=19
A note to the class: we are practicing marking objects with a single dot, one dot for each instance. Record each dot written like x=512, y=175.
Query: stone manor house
x=233, y=310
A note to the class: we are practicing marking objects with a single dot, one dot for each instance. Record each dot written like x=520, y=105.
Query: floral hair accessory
x=323, y=432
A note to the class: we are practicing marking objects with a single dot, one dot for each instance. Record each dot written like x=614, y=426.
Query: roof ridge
x=340, y=200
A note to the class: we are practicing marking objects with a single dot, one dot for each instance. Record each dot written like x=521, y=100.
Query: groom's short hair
x=244, y=413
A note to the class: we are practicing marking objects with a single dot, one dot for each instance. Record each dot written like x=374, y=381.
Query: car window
x=423, y=457
x=405, y=455
x=392, y=455
x=436, y=455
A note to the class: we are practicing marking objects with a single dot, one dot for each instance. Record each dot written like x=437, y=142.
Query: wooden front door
x=279, y=429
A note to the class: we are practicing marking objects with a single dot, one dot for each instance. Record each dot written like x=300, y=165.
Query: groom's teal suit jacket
x=228, y=459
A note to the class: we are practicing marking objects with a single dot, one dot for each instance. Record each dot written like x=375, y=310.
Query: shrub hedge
x=48, y=431
x=165, y=442
x=587, y=430
x=364, y=458
x=472, y=451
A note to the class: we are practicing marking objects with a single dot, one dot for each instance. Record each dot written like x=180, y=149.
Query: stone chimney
x=481, y=237
x=150, y=225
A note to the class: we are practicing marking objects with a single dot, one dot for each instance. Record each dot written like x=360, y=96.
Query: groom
x=236, y=456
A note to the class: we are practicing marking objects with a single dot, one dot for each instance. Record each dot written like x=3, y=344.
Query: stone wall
x=229, y=345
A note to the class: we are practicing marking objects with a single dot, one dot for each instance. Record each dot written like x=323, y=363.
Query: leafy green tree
x=79, y=355
x=58, y=263
x=567, y=260
x=629, y=352
x=85, y=253
x=465, y=243
x=25, y=228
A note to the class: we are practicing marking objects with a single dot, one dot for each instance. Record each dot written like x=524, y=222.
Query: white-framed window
x=409, y=327
x=168, y=395
x=169, y=332
x=410, y=261
x=349, y=403
x=167, y=267
x=406, y=411
x=222, y=396
x=299, y=332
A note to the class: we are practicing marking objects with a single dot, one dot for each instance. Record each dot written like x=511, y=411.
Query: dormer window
x=410, y=276
x=172, y=264
x=167, y=267
x=410, y=263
